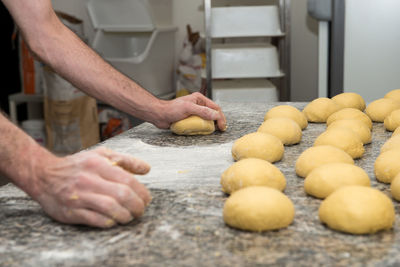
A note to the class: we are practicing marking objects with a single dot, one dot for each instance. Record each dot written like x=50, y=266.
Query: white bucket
x=36, y=129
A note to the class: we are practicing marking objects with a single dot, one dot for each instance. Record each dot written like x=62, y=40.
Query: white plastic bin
x=128, y=39
x=245, y=61
x=245, y=90
x=36, y=129
x=245, y=21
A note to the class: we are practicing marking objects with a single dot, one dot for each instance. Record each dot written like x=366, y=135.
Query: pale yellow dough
x=316, y=156
x=394, y=94
x=392, y=143
x=287, y=130
x=327, y=178
x=252, y=172
x=357, y=210
x=344, y=139
x=356, y=126
x=320, y=109
x=379, y=109
x=396, y=132
x=258, y=208
x=193, y=125
x=258, y=145
x=387, y=166
x=350, y=113
x=350, y=100
x=392, y=121
x=395, y=187
x=287, y=111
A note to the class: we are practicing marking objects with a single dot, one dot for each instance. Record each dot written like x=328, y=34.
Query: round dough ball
x=193, y=125
x=344, y=139
x=379, y=109
x=350, y=113
x=387, y=166
x=320, y=109
x=394, y=94
x=252, y=172
x=357, y=126
x=288, y=131
x=395, y=187
x=287, y=111
x=258, y=208
x=396, y=132
x=392, y=143
x=350, y=100
x=325, y=179
x=392, y=121
x=357, y=210
x=316, y=156
x=258, y=145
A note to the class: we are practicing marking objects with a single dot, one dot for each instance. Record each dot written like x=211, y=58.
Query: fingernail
x=110, y=223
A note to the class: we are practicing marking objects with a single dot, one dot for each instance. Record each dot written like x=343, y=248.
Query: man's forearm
x=66, y=54
x=21, y=158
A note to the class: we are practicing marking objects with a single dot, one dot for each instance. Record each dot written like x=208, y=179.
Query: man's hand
x=95, y=188
x=193, y=104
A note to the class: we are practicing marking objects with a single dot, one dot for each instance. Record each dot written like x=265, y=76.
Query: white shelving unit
x=247, y=52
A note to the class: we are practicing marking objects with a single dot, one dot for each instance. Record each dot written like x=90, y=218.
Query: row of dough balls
x=255, y=184
x=330, y=174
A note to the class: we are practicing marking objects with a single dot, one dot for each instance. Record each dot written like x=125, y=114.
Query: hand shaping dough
x=356, y=126
x=344, y=139
x=258, y=145
x=357, y=210
x=395, y=187
x=392, y=143
x=392, y=121
x=316, y=156
x=258, y=208
x=320, y=109
x=193, y=125
x=325, y=179
x=387, y=166
x=287, y=130
x=350, y=100
x=252, y=172
x=379, y=109
x=350, y=113
x=287, y=111
x=394, y=94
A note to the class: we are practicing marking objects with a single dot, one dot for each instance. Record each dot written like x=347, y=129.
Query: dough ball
x=394, y=94
x=320, y=109
x=252, y=172
x=392, y=121
x=357, y=210
x=316, y=156
x=258, y=145
x=285, y=129
x=193, y=125
x=395, y=187
x=392, y=143
x=379, y=109
x=344, y=139
x=258, y=208
x=350, y=113
x=287, y=111
x=396, y=132
x=325, y=179
x=356, y=126
x=349, y=100
x=387, y=166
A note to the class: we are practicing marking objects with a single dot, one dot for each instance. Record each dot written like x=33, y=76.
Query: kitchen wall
x=304, y=53
x=304, y=34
